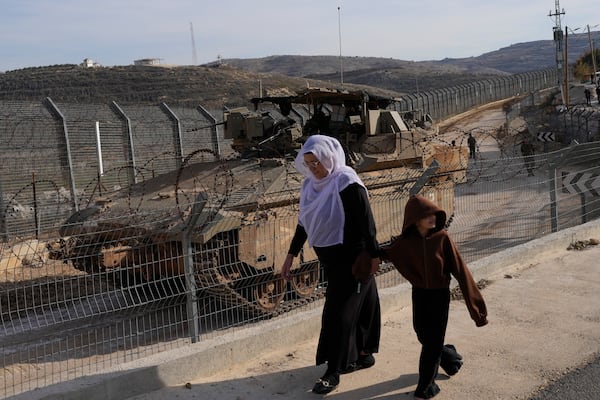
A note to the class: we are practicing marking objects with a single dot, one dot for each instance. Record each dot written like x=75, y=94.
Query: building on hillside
x=147, y=61
x=89, y=63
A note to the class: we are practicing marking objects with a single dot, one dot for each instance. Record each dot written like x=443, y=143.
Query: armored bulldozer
x=223, y=227
x=374, y=135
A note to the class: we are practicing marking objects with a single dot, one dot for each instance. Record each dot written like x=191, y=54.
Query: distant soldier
x=527, y=150
x=598, y=93
x=472, y=146
x=588, y=96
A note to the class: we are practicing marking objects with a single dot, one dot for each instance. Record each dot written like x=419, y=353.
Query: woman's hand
x=375, y=265
x=286, y=267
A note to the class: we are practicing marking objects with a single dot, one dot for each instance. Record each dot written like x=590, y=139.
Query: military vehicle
x=373, y=135
x=228, y=223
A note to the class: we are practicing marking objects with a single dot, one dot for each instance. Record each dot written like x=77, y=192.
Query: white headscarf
x=321, y=208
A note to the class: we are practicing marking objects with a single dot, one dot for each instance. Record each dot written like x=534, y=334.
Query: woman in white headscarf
x=336, y=218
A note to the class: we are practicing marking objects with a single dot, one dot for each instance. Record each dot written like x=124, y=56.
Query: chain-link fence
x=118, y=244
x=76, y=152
x=157, y=268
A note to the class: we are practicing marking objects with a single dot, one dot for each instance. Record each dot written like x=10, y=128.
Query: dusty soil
x=29, y=280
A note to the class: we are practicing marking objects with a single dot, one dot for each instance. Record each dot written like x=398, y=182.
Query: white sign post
x=99, y=150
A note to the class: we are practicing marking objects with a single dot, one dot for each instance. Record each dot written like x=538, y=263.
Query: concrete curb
x=210, y=356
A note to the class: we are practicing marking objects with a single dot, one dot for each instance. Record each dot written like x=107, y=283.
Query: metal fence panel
x=190, y=248
x=121, y=294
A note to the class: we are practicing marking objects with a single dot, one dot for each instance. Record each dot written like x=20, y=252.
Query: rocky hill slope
x=515, y=58
x=215, y=86
x=409, y=76
x=234, y=82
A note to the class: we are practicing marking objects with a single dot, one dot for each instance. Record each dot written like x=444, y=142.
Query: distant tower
x=194, y=55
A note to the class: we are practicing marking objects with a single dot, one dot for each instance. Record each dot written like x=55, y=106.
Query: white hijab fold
x=321, y=208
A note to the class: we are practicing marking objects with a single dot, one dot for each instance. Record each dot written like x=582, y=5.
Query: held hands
x=286, y=267
x=364, y=266
x=289, y=259
x=375, y=264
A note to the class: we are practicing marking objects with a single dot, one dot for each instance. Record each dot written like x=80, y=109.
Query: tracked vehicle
x=374, y=136
x=228, y=223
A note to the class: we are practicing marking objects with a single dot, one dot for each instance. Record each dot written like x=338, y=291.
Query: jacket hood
x=419, y=207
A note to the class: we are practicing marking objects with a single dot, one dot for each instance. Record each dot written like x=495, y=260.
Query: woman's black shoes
x=431, y=391
x=326, y=384
x=364, y=361
x=330, y=381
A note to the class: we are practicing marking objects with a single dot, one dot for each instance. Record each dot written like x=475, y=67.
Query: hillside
x=212, y=86
x=234, y=81
x=397, y=75
x=410, y=76
x=216, y=86
x=519, y=57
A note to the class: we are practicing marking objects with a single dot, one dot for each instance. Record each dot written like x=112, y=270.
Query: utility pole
x=566, y=91
x=340, y=39
x=593, y=53
x=558, y=40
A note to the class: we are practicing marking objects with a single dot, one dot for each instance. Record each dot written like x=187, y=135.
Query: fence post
x=55, y=109
x=177, y=136
x=133, y=176
x=429, y=172
x=583, y=208
x=36, y=221
x=3, y=224
x=553, y=188
x=190, y=271
x=215, y=129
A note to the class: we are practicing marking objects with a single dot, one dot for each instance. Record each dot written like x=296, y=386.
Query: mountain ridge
x=515, y=58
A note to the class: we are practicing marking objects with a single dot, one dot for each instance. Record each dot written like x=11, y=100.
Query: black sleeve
x=359, y=228
x=298, y=240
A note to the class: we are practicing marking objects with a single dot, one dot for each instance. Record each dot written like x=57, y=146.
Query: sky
x=186, y=32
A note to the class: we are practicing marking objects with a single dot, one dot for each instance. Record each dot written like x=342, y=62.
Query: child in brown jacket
x=426, y=256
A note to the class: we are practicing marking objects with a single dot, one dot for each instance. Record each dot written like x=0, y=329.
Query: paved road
x=580, y=384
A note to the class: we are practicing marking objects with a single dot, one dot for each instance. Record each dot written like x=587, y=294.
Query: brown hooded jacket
x=428, y=262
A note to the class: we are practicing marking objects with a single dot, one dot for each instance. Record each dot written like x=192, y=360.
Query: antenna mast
x=194, y=55
x=558, y=40
x=340, y=40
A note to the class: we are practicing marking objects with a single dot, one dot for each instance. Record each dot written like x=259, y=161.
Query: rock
x=30, y=253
